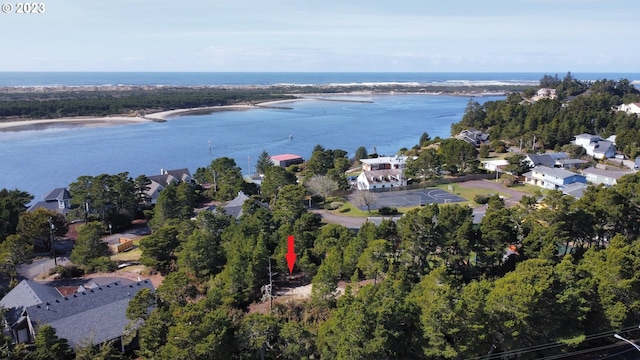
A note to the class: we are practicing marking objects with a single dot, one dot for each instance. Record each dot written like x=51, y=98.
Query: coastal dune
x=38, y=124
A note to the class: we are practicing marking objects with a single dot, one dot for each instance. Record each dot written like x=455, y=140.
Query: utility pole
x=269, y=288
x=53, y=245
x=534, y=144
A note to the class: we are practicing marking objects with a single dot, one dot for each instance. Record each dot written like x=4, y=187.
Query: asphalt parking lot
x=417, y=197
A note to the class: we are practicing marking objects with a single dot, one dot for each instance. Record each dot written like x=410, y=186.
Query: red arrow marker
x=291, y=256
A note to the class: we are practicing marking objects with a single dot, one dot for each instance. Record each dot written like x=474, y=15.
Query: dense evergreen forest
x=51, y=103
x=550, y=278
x=579, y=107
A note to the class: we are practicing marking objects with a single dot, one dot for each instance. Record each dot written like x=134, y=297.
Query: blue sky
x=327, y=35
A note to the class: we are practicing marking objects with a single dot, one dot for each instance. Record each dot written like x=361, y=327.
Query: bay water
x=40, y=160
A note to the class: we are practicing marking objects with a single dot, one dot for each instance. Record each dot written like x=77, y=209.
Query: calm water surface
x=40, y=160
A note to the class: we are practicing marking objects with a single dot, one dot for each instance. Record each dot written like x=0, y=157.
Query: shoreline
x=162, y=116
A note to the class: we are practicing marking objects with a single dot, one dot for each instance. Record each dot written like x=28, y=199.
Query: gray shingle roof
x=576, y=189
x=555, y=172
x=605, y=173
x=26, y=293
x=545, y=160
x=58, y=194
x=49, y=205
x=98, y=312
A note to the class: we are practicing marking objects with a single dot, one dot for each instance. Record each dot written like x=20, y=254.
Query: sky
x=322, y=36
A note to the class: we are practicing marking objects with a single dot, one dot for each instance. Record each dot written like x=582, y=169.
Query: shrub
x=66, y=272
x=101, y=264
x=344, y=210
x=481, y=199
x=386, y=210
x=332, y=205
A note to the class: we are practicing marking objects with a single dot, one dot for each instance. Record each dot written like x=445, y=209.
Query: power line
x=556, y=344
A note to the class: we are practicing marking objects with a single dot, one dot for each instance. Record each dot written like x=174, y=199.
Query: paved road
x=347, y=221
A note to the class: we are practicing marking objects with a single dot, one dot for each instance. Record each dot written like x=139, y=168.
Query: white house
x=552, y=178
x=632, y=108
x=596, y=146
x=494, y=165
x=380, y=173
x=606, y=177
x=547, y=93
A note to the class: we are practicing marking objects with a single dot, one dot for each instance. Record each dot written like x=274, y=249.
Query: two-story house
x=552, y=178
x=58, y=200
x=380, y=173
x=596, y=146
x=166, y=177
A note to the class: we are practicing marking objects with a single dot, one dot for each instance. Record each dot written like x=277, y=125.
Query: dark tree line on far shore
x=56, y=103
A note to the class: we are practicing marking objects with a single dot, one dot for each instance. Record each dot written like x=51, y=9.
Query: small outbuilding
x=286, y=160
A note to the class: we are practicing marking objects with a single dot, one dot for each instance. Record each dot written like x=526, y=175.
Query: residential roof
x=26, y=293
x=285, y=157
x=542, y=159
x=602, y=147
x=575, y=189
x=586, y=136
x=163, y=180
x=555, y=172
x=385, y=160
x=605, y=173
x=558, y=155
x=49, y=205
x=58, y=194
x=234, y=207
x=382, y=175
x=99, y=312
x=180, y=174
x=571, y=161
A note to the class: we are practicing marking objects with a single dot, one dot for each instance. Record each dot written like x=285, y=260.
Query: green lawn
x=528, y=188
x=353, y=210
x=470, y=193
x=131, y=255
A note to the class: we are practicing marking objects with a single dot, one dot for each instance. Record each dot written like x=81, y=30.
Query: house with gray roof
x=576, y=189
x=552, y=178
x=596, y=146
x=606, y=177
x=540, y=159
x=166, y=177
x=570, y=163
x=94, y=312
x=234, y=207
x=473, y=137
x=58, y=200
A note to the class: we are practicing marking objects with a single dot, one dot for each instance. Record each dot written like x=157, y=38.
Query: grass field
x=131, y=255
x=470, y=193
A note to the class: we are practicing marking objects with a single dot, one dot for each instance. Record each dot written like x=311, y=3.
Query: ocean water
x=269, y=78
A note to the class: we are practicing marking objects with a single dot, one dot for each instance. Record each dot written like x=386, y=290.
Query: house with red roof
x=286, y=160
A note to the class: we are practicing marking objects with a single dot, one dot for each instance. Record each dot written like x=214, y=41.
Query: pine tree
x=263, y=163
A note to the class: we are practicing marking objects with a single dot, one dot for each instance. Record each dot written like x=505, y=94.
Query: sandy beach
x=39, y=124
